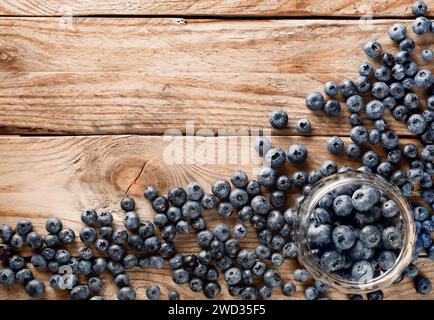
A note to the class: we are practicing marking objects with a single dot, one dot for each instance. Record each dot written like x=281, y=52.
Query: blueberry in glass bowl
x=355, y=232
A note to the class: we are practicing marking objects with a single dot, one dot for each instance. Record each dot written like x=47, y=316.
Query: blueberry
x=353, y=151
x=264, y=292
x=400, y=113
x=7, y=277
x=221, y=189
x=122, y=280
x=34, y=240
x=427, y=55
x=370, y=236
x=386, y=259
x=211, y=290
x=419, y=8
x=421, y=25
x=420, y=213
x=289, y=250
x=365, y=69
x=99, y=266
x=315, y=101
x=380, y=89
x=388, y=59
x=407, y=83
x=303, y=126
x=16, y=242
x=374, y=109
x=397, y=90
x=130, y=261
x=328, y=168
x=233, y=276
x=407, y=44
x=225, y=209
x=24, y=227
x=104, y=218
x=394, y=156
x=173, y=295
x=289, y=289
x=35, y=288
x=370, y=159
x=375, y=295
x=150, y=193
x=212, y=274
x=359, y=135
x=319, y=235
x=343, y=237
x=275, y=158
x=416, y=124
x=374, y=137
x=245, y=213
x=53, y=225
x=260, y=205
x=208, y=202
x=332, y=261
x=177, y=196
x=301, y=275
x=146, y=229
x=126, y=293
x=428, y=153
x=373, y=49
x=240, y=231
x=297, y=153
x=362, y=271
x=362, y=84
x=411, y=271
x=249, y=293
x=127, y=204
x=283, y=183
x=332, y=108
x=88, y=235
x=23, y=276
x=392, y=238
x=423, y=286
x=267, y=177
x=383, y=73
x=335, y=145
x=299, y=178
x=331, y=88
x=190, y=210
x=424, y=79
x=397, y=32
x=258, y=222
x=389, y=140
x=278, y=118
x=310, y=293
x=272, y=278
x=313, y=177
x=160, y=204
x=253, y=188
x=95, y=284
x=246, y=258
x=106, y=232
x=342, y=206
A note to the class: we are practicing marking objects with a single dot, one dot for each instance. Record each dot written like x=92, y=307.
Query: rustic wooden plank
x=59, y=176
x=258, y=8
x=143, y=76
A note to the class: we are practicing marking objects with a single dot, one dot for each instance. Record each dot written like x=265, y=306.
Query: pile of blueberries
x=356, y=232
x=261, y=203
x=392, y=85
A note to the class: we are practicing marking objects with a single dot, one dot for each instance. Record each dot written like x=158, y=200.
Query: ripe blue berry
x=315, y=101
x=278, y=118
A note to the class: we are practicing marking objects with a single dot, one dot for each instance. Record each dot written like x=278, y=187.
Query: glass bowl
x=308, y=255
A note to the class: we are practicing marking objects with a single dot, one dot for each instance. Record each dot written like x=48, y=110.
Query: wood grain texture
x=143, y=76
x=45, y=177
x=209, y=7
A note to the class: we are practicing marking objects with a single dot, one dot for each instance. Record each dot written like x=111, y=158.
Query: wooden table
x=89, y=88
